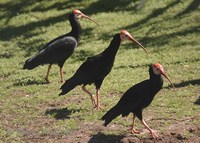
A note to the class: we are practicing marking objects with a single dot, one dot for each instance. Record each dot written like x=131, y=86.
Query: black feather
x=58, y=50
x=136, y=98
x=95, y=68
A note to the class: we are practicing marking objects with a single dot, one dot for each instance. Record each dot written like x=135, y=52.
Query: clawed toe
x=154, y=135
x=134, y=131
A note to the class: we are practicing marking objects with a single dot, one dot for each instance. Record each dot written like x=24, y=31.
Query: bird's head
x=78, y=14
x=125, y=35
x=159, y=70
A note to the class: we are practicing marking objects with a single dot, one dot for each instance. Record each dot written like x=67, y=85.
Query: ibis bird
x=138, y=97
x=58, y=50
x=96, y=68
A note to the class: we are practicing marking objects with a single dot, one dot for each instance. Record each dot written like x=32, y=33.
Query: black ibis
x=138, y=97
x=96, y=68
x=58, y=50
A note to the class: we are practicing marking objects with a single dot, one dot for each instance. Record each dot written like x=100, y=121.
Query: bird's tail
x=110, y=115
x=31, y=63
x=68, y=86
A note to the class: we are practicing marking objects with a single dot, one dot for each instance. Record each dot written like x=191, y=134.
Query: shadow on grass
x=10, y=32
x=26, y=81
x=6, y=55
x=197, y=102
x=158, y=40
x=132, y=66
x=61, y=114
x=165, y=38
x=81, y=55
x=102, y=138
x=187, y=83
x=111, y=5
x=12, y=9
x=154, y=14
x=193, y=6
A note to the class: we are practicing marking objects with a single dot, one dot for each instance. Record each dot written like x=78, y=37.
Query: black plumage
x=138, y=97
x=96, y=68
x=58, y=50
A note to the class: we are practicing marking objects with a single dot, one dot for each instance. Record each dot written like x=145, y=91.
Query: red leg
x=47, y=76
x=133, y=130
x=153, y=133
x=90, y=94
x=98, y=106
x=61, y=75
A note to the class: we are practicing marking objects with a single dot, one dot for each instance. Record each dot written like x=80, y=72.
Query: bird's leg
x=98, y=99
x=133, y=130
x=90, y=94
x=47, y=76
x=61, y=75
x=153, y=133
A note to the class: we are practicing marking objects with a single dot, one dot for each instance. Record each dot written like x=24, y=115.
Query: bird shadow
x=26, y=81
x=197, y=102
x=6, y=55
x=184, y=83
x=193, y=6
x=61, y=114
x=103, y=138
x=187, y=83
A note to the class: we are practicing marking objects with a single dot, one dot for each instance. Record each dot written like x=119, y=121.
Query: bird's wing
x=58, y=50
x=133, y=97
x=54, y=41
x=93, y=68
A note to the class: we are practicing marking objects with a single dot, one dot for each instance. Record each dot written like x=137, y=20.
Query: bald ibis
x=96, y=68
x=58, y=50
x=138, y=97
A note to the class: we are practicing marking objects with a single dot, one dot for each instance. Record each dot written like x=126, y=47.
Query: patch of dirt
x=96, y=133
x=182, y=130
x=20, y=93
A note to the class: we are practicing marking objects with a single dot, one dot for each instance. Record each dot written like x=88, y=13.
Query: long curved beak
x=164, y=74
x=87, y=17
x=138, y=43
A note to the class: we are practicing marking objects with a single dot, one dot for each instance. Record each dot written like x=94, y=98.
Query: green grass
x=29, y=108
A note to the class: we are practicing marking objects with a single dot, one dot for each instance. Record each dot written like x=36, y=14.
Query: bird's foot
x=98, y=107
x=61, y=81
x=47, y=80
x=134, y=131
x=93, y=100
x=154, y=135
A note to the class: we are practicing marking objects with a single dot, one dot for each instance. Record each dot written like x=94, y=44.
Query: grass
x=31, y=109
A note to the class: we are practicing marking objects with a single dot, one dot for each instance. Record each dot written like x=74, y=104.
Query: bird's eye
x=158, y=69
x=126, y=35
x=78, y=14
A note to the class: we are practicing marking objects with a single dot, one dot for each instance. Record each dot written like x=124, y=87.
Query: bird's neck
x=76, y=27
x=156, y=80
x=112, y=49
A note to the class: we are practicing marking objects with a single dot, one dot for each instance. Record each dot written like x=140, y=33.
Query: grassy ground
x=32, y=111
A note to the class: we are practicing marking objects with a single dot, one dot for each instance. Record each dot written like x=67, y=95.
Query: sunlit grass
x=26, y=26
